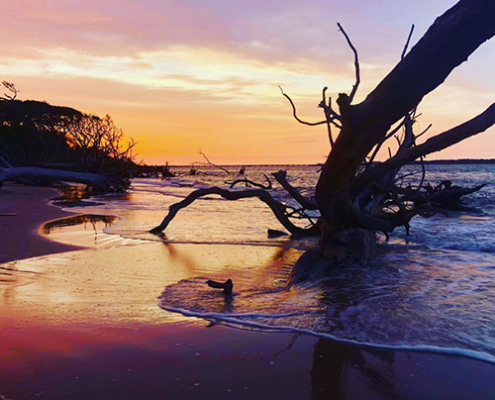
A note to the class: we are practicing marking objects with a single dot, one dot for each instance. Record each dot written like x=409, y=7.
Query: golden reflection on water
x=120, y=285
x=85, y=230
x=83, y=219
x=74, y=192
x=63, y=301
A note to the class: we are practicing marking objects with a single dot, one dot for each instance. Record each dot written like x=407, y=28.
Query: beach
x=31, y=208
x=86, y=322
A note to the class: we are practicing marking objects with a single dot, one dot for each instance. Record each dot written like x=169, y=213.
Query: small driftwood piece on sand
x=227, y=286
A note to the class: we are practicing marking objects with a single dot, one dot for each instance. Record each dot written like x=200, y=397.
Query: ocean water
x=432, y=291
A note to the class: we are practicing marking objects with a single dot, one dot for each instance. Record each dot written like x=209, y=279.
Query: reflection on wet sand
x=106, y=297
x=101, y=305
x=82, y=219
x=74, y=196
x=120, y=284
x=334, y=364
x=86, y=230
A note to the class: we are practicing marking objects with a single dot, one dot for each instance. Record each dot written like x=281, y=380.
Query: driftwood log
x=227, y=286
x=278, y=209
x=97, y=181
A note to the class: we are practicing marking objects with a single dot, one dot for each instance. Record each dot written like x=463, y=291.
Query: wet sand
x=19, y=233
x=86, y=324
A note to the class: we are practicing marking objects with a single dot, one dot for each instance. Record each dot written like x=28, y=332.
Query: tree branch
x=13, y=174
x=327, y=109
x=277, y=208
x=446, y=44
x=407, y=43
x=389, y=135
x=12, y=89
x=281, y=178
x=294, y=111
x=215, y=165
x=356, y=63
x=439, y=142
x=248, y=182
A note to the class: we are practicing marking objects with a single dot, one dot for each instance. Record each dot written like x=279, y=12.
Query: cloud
x=225, y=81
x=272, y=32
x=180, y=68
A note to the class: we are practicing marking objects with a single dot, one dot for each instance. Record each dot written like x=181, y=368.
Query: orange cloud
x=179, y=76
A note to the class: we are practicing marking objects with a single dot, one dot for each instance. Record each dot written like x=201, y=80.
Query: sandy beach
x=31, y=208
x=86, y=323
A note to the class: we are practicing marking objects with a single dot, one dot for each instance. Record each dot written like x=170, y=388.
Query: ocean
x=432, y=291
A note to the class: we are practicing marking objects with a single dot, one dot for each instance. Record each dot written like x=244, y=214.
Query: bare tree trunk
x=448, y=42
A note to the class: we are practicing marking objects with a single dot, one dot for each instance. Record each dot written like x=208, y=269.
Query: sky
x=182, y=76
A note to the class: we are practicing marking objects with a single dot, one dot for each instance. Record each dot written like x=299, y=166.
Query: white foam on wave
x=235, y=320
x=207, y=315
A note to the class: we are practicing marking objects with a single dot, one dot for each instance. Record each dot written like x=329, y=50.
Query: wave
x=236, y=320
x=442, y=302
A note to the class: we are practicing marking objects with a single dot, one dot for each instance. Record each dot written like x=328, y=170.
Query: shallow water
x=433, y=293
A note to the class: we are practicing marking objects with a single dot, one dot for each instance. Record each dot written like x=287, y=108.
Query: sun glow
x=182, y=77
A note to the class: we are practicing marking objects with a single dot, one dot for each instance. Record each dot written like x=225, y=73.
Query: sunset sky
x=184, y=75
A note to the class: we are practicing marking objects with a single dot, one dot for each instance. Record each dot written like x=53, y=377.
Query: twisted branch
x=281, y=178
x=277, y=208
x=294, y=111
x=407, y=43
x=439, y=142
x=215, y=165
x=248, y=182
x=356, y=63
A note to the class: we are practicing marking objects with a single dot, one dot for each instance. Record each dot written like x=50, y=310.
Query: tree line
x=39, y=135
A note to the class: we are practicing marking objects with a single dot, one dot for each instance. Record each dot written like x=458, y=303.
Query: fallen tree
x=95, y=181
x=356, y=195
x=281, y=211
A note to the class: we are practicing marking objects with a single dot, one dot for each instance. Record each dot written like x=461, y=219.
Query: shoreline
x=84, y=324
x=32, y=208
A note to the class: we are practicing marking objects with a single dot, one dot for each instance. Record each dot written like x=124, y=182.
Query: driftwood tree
x=355, y=195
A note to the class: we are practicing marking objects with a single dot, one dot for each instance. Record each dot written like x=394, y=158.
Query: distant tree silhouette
x=35, y=135
x=11, y=91
x=99, y=142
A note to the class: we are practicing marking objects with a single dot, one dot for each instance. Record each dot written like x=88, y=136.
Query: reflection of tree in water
x=84, y=219
x=78, y=192
x=336, y=366
x=108, y=220
x=179, y=256
x=78, y=195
